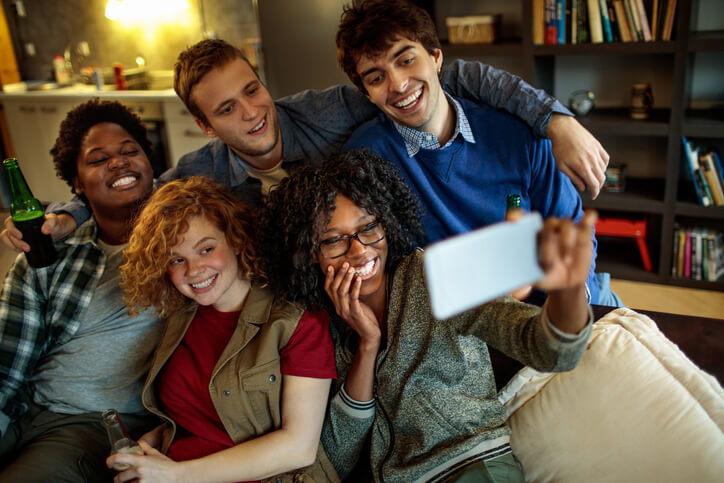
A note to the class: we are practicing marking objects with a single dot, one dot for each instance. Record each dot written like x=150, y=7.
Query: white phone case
x=468, y=270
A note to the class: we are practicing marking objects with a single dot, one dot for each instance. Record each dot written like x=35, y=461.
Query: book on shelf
x=538, y=21
x=561, y=21
x=621, y=21
x=633, y=19
x=582, y=31
x=594, y=21
x=705, y=255
x=550, y=28
x=697, y=234
x=698, y=253
x=718, y=164
x=605, y=21
x=695, y=174
x=646, y=30
x=687, y=253
x=680, y=260
x=669, y=20
x=706, y=163
x=716, y=255
x=655, y=19
x=614, y=23
x=573, y=22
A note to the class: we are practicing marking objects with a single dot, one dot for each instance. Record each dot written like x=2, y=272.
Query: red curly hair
x=163, y=220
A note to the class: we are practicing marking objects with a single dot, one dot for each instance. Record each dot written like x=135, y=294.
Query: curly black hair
x=78, y=122
x=299, y=209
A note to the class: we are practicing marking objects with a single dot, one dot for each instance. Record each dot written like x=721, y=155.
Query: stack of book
x=703, y=166
x=698, y=253
x=598, y=21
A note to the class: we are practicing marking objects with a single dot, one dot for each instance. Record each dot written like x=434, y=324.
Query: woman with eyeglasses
x=419, y=391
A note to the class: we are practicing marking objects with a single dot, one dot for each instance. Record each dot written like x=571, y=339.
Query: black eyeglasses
x=339, y=245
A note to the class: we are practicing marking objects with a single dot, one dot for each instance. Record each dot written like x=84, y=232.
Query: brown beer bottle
x=28, y=216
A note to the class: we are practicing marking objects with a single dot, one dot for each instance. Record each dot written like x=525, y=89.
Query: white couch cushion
x=635, y=409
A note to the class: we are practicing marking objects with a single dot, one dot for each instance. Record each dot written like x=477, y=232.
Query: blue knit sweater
x=463, y=186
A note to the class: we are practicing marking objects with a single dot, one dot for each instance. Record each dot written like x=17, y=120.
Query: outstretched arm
x=565, y=254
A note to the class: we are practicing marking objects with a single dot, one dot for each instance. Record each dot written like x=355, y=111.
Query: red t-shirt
x=183, y=384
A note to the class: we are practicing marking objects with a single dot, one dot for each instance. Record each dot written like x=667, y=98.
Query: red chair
x=628, y=229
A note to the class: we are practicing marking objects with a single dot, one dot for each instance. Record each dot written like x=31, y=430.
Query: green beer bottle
x=512, y=201
x=28, y=216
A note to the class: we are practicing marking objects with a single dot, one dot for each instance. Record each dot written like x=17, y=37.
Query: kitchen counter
x=81, y=92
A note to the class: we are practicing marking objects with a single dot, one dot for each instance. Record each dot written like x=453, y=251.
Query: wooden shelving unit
x=663, y=199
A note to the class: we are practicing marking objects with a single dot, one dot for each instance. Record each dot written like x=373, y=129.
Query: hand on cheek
x=343, y=288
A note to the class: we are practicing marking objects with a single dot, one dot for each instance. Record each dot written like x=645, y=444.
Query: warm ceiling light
x=147, y=11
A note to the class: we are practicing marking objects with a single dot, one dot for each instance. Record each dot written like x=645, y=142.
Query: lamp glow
x=148, y=12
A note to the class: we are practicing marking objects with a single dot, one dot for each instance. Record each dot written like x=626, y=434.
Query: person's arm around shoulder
x=578, y=154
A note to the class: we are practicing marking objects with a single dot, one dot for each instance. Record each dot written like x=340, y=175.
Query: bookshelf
x=679, y=71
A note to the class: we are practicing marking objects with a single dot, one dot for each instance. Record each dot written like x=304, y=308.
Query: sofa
x=638, y=407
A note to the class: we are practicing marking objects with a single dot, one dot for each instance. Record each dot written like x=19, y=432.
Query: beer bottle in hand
x=120, y=441
x=28, y=216
x=512, y=201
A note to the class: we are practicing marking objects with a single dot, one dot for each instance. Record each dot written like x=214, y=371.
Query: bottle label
x=42, y=251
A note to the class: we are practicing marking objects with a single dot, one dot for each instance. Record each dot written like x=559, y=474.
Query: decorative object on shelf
x=615, y=179
x=642, y=100
x=475, y=29
x=581, y=102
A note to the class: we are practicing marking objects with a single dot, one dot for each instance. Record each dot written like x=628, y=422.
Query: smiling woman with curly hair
x=418, y=392
x=290, y=240
x=162, y=225
x=216, y=378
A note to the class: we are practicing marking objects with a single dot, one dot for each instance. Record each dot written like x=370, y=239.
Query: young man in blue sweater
x=461, y=158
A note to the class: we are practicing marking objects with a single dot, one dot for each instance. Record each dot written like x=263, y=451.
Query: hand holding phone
x=468, y=270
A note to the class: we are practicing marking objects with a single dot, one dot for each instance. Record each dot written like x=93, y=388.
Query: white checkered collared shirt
x=416, y=140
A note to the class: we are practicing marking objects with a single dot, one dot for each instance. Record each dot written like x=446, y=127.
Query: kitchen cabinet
x=182, y=133
x=33, y=126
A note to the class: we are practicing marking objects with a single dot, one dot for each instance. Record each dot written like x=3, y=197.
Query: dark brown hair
x=371, y=27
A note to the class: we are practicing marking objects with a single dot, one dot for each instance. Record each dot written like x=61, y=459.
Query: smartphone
x=468, y=270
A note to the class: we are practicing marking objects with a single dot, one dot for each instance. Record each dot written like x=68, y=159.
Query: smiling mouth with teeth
x=365, y=269
x=256, y=128
x=205, y=283
x=409, y=100
x=124, y=181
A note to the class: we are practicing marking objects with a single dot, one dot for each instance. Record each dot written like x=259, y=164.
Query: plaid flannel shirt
x=39, y=308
